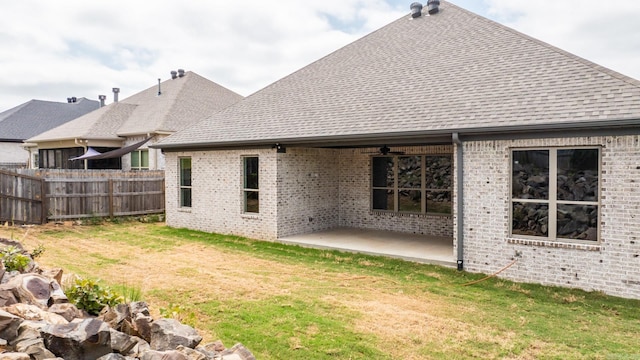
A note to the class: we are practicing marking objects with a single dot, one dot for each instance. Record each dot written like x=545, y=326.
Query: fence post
x=110, y=198
x=43, y=202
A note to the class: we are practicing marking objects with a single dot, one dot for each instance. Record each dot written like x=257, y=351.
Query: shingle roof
x=37, y=116
x=451, y=71
x=182, y=102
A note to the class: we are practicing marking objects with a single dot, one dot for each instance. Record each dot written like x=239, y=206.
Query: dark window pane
x=530, y=174
x=438, y=172
x=251, y=173
x=439, y=202
x=578, y=174
x=185, y=172
x=185, y=197
x=383, y=171
x=410, y=200
x=409, y=172
x=251, y=202
x=530, y=219
x=383, y=199
x=578, y=222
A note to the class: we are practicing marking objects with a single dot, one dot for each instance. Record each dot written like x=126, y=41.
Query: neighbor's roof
x=182, y=102
x=37, y=116
x=452, y=71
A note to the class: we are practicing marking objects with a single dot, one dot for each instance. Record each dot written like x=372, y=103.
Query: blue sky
x=51, y=50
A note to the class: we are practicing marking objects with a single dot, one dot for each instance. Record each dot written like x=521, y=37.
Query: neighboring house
x=117, y=135
x=445, y=125
x=32, y=118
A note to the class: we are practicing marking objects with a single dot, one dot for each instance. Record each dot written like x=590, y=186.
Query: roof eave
x=591, y=128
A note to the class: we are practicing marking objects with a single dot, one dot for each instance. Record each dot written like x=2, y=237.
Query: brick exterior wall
x=355, y=194
x=611, y=266
x=301, y=191
x=217, y=193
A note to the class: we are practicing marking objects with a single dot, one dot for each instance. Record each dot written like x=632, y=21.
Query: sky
x=52, y=50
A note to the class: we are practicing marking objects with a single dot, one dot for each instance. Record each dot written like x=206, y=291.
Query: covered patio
x=412, y=247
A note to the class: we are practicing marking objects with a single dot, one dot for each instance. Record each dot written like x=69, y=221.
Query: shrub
x=90, y=296
x=14, y=259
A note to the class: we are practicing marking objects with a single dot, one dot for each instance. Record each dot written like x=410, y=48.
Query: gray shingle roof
x=448, y=72
x=37, y=116
x=183, y=101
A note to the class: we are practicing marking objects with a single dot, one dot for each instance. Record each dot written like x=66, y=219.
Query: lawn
x=289, y=302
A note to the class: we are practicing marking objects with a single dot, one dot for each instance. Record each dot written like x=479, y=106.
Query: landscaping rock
x=37, y=322
x=167, y=334
x=86, y=339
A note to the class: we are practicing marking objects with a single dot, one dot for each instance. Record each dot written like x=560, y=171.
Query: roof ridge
x=591, y=64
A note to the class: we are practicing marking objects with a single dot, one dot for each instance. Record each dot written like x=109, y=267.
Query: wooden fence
x=38, y=196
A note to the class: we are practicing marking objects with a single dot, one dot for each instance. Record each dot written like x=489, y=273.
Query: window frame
x=140, y=166
x=553, y=201
x=424, y=190
x=183, y=188
x=250, y=190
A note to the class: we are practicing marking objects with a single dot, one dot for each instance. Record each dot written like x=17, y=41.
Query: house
x=117, y=135
x=32, y=118
x=444, y=124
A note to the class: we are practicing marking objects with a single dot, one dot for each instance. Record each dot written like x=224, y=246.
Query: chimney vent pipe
x=433, y=6
x=416, y=10
x=102, y=99
x=174, y=74
x=115, y=94
x=180, y=72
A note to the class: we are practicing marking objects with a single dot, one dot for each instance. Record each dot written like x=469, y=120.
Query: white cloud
x=51, y=50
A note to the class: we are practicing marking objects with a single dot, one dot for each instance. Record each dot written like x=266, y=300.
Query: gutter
x=455, y=138
x=622, y=126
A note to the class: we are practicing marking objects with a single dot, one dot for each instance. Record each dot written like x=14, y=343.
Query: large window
x=250, y=198
x=554, y=193
x=185, y=182
x=411, y=183
x=140, y=160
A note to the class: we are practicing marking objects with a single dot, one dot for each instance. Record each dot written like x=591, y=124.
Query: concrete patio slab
x=411, y=247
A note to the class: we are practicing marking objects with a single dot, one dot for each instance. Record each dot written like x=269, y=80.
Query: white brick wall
x=301, y=191
x=217, y=193
x=13, y=153
x=612, y=266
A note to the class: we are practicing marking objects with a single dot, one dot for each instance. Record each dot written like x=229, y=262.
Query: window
x=554, y=193
x=140, y=160
x=251, y=200
x=185, y=182
x=411, y=183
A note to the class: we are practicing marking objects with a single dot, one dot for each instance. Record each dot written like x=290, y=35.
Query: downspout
x=85, y=151
x=460, y=199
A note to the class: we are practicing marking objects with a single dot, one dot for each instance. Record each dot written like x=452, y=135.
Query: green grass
x=492, y=319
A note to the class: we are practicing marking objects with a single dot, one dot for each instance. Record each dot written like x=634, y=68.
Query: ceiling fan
x=385, y=150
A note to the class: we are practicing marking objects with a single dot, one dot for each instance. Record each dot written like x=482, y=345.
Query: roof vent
x=433, y=6
x=102, y=99
x=174, y=74
x=115, y=94
x=416, y=10
x=180, y=72
x=71, y=100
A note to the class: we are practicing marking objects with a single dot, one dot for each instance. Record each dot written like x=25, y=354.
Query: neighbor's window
x=140, y=160
x=185, y=182
x=554, y=193
x=411, y=183
x=251, y=200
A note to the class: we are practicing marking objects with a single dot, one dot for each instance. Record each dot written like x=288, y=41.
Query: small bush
x=90, y=296
x=14, y=259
